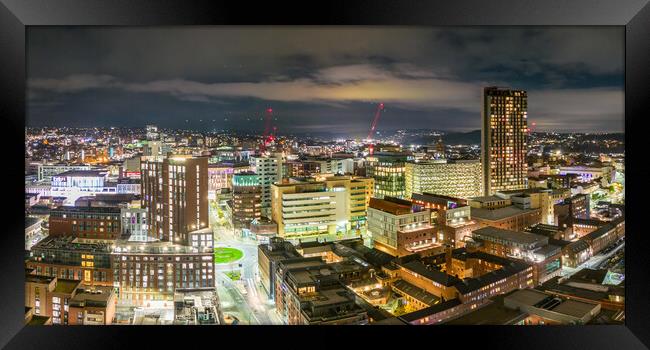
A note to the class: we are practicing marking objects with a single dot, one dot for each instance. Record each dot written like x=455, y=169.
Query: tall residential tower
x=175, y=194
x=504, y=139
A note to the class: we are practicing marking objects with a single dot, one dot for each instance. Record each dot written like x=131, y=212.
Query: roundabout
x=225, y=255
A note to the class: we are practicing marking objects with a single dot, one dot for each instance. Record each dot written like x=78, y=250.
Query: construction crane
x=380, y=108
x=269, y=131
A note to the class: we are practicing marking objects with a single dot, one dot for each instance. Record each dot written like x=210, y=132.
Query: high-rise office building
x=504, y=139
x=246, y=199
x=175, y=194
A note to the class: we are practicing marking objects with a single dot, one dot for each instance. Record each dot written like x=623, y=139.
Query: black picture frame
x=16, y=15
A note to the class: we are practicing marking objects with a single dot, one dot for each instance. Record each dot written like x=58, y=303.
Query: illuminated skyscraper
x=503, y=139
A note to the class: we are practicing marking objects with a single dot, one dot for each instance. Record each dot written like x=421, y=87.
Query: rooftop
x=390, y=321
x=469, y=285
x=157, y=247
x=390, y=206
x=529, y=297
x=494, y=313
x=590, y=275
x=83, y=173
x=581, y=290
x=416, y=293
x=486, y=199
x=70, y=243
x=66, y=286
x=578, y=246
x=38, y=320
x=512, y=236
x=432, y=274
x=602, y=230
x=541, y=300
x=38, y=279
x=432, y=197
x=548, y=250
x=30, y=221
x=70, y=209
x=499, y=213
x=95, y=297
x=574, y=308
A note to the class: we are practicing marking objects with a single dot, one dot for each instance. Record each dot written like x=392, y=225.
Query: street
x=245, y=299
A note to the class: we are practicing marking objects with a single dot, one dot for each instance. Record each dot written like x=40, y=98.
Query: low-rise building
x=96, y=223
x=80, y=182
x=507, y=218
x=315, y=296
x=399, y=228
x=32, y=230
x=263, y=229
x=451, y=216
x=69, y=258
x=66, y=303
x=605, y=235
x=532, y=248
x=196, y=307
x=461, y=280
x=529, y=307
x=583, y=287
x=46, y=171
x=586, y=173
x=268, y=257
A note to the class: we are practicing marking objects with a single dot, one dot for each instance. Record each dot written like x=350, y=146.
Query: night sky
x=320, y=79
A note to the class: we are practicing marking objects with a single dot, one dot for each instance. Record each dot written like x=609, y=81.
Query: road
x=245, y=298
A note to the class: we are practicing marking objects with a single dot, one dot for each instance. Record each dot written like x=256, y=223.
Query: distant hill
x=466, y=138
x=451, y=138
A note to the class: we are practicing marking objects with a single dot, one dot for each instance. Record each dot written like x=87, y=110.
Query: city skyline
x=325, y=176
x=322, y=79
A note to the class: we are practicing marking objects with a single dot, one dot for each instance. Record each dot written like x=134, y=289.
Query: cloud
x=571, y=73
x=144, y=54
x=352, y=83
x=74, y=83
x=338, y=86
x=577, y=109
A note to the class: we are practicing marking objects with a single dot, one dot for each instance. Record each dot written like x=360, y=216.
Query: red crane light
x=267, y=128
x=380, y=108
